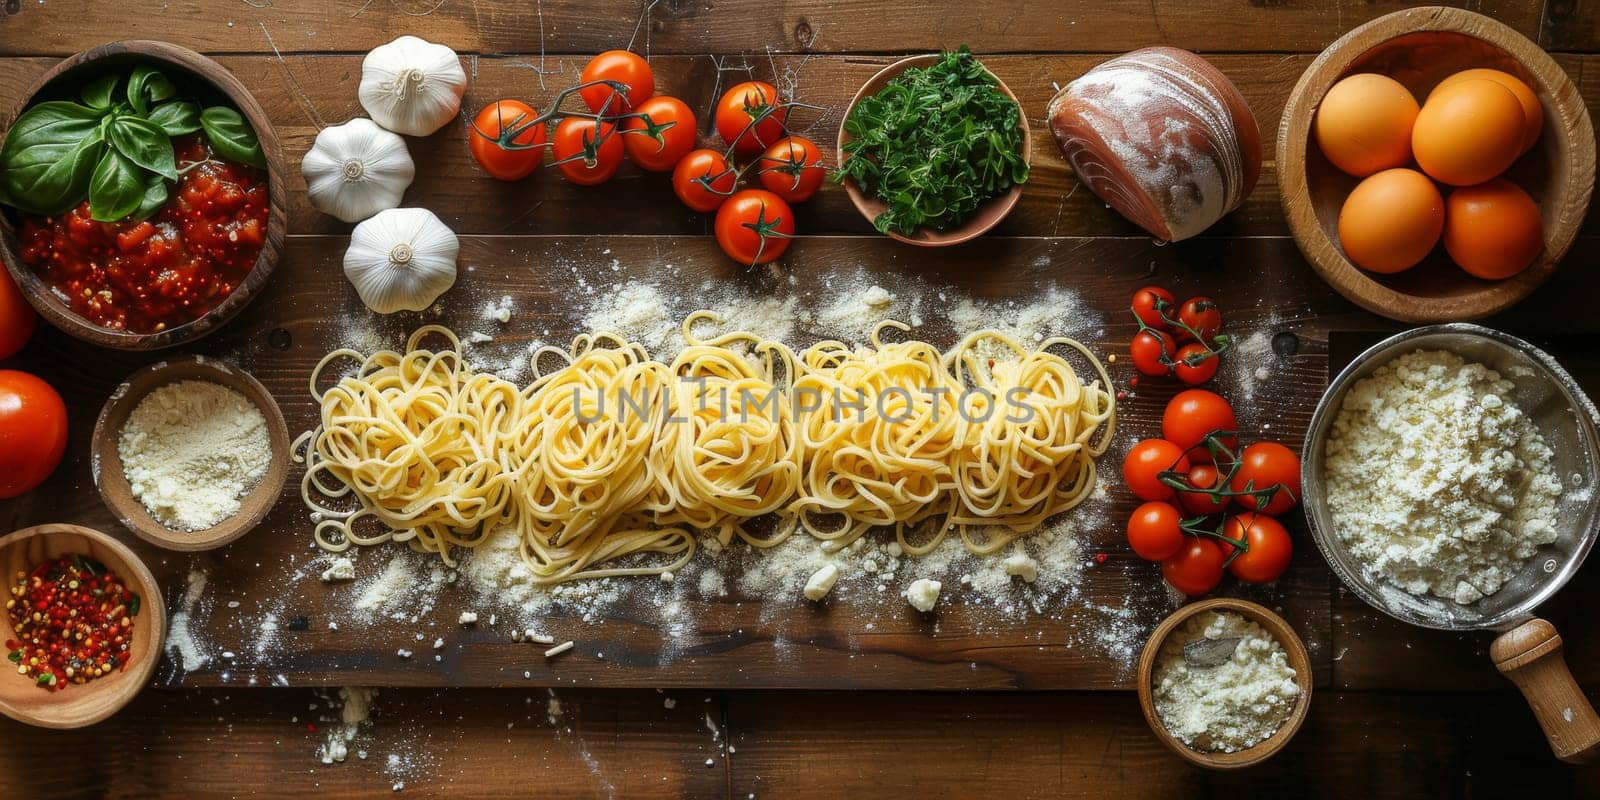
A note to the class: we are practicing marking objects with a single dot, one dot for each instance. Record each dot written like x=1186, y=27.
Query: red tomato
x=1142, y=468
x=1268, y=465
x=33, y=431
x=1192, y=415
x=1194, y=364
x=1269, y=547
x=703, y=180
x=623, y=67
x=1196, y=568
x=1153, y=531
x=1151, y=350
x=488, y=140
x=661, y=136
x=1149, y=303
x=1201, y=314
x=754, y=226
x=1201, y=476
x=792, y=169
x=586, y=151
x=750, y=119
x=16, y=317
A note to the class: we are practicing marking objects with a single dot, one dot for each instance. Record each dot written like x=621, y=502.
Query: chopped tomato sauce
x=145, y=276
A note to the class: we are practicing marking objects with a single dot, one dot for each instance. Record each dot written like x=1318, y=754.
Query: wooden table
x=753, y=703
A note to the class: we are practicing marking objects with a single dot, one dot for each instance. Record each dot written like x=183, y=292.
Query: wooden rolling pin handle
x=1530, y=655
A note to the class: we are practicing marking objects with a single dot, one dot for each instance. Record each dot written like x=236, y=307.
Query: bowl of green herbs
x=934, y=149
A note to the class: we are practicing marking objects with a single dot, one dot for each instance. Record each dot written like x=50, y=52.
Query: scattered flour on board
x=181, y=639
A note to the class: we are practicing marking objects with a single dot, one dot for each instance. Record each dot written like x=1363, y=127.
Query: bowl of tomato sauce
x=209, y=224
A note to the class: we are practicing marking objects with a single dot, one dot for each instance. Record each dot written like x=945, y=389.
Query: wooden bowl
x=81, y=704
x=1420, y=47
x=987, y=215
x=106, y=462
x=1298, y=659
x=193, y=72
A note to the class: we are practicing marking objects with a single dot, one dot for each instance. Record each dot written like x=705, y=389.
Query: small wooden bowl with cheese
x=112, y=481
x=1279, y=630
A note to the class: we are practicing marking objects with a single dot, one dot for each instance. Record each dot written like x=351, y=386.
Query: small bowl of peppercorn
x=83, y=628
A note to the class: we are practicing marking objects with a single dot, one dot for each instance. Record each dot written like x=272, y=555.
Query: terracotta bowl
x=985, y=217
x=106, y=463
x=1280, y=630
x=81, y=704
x=209, y=80
x=1420, y=47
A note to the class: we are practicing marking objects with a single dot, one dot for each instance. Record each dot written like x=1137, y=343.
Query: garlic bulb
x=401, y=260
x=412, y=86
x=357, y=169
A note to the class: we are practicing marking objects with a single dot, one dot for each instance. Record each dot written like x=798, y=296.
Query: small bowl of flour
x=1224, y=683
x=190, y=454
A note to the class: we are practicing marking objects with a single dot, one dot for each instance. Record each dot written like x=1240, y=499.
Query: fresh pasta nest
x=614, y=463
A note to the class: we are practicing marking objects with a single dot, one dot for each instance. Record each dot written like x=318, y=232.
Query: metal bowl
x=1570, y=426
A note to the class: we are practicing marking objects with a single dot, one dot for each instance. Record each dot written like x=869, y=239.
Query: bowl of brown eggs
x=1435, y=165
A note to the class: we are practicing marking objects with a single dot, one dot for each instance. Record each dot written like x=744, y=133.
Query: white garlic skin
x=401, y=260
x=357, y=169
x=412, y=86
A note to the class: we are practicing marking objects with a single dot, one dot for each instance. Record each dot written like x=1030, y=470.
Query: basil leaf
x=145, y=144
x=155, y=196
x=53, y=123
x=231, y=136
x=97, y=93
x=116, y=189
x=176, y=118
x=55, y=177
x=147, y=87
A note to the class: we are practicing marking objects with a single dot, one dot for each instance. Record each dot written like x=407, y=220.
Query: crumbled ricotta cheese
x=1023, y=566
x=821, y=582
x=467, y=618
x=1436, y=481
x=342, y=569
x=922, y=594
x=1234, y=705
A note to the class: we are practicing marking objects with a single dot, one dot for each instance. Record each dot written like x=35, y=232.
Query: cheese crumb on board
x=922, y=594
x=1437, y=482
x=1022, y=566
x=1234, y=705
x=821, y=582
x=342, y=569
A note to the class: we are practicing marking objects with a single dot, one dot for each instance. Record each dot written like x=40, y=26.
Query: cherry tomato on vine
x=1144, y=306
x=1142, y=468
x=1193, y=414
x=750, y=118
x=586, y=151
x=33, y=431
x=489, y=131
x=1194, y=364
x=1264, y=465
x=1151, y=349
x=1153, y=531
x=792, y=169
x=1201, y=314
x=754, y=226
x=1201, y=476
x=661, y=136
x=1269, y=547
x=1197, y=566
x=17, y=319
x=703, y=180
x=623, y=67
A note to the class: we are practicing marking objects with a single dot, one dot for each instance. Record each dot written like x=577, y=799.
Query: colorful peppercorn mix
x=73, y=620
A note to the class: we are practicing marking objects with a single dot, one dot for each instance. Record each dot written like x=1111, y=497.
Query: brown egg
x=1364, y=123
x=1391, y=221
x=1468, y=132
x=1493, y=230
x=1532, y=112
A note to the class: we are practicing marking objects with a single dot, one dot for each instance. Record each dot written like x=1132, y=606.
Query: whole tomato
x=1142, y=468
x=661, y=135
x=33, y=431
x=754, y=226
x=1192, y=415
x=1201, y=315
x=1194, y=364
x=792, y=169
x=587, y=152
x=1153, y=531
x=704, y=180
x=1269, y=547
x=1202, y=476
x=1151, y=350
x=622, y=67
x=750, y=118
x=1150, y=304
x=1197, y=566
x=489, y=129
x=17, y=319
x=1268, y=466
